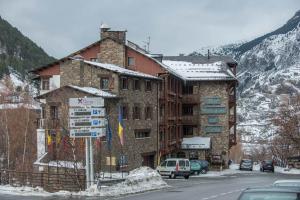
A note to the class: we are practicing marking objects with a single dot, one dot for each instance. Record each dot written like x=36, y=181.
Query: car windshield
x=269, y=161
x=246, y=161
x=268, y=196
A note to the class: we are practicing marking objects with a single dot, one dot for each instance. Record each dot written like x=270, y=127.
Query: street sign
x=86, y=102
x=87, y=122
x=83, y=112
x=87, y=132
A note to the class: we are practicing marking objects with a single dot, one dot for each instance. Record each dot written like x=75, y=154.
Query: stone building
x=184, y=104
x=135, y=92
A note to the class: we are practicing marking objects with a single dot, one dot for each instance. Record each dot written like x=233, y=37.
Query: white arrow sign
x=87, y=122
x=86, y=112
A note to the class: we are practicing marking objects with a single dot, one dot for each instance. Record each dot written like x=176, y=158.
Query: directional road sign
x=87, y=122
x=87, y=132
x=86, y=112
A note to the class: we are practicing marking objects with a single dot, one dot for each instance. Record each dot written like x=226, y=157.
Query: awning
x=196, y=143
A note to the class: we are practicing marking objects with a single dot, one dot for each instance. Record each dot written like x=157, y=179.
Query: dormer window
x=45, y=84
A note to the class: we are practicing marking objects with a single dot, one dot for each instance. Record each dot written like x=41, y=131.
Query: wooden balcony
x=190, y=99
x=189, y=119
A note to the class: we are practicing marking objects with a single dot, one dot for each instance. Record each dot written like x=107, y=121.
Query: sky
x=61, y=27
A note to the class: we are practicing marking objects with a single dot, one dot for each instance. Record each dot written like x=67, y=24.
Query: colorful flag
x=49, y=141
x=108, y=135
x=121, y=127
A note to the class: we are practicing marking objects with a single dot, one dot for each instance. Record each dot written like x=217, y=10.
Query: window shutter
x=111, y=83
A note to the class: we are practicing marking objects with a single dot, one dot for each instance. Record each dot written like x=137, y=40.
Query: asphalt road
x=200, y=188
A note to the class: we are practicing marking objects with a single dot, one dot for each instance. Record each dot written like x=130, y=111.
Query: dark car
x=270, y=193
x=199, y=166
x=267, y=165
x=246, y=164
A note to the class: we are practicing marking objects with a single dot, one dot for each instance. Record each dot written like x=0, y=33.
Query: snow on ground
x=286, y=170
x=139, y=180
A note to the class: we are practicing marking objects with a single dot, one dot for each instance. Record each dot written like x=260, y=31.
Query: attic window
x=45, y=84
x=131, y=61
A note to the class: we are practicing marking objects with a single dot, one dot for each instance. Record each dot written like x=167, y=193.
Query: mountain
x=268, y=73
x=18, y=51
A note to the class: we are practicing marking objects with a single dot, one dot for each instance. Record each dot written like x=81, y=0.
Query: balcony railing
x=53, y=123
x=189, y=119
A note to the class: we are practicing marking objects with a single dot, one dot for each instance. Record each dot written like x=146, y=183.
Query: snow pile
x=286, y=170
x=139, y=180
x=23, y=191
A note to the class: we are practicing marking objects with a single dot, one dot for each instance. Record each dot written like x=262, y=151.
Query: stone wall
x=220, y=141
x=112, y=52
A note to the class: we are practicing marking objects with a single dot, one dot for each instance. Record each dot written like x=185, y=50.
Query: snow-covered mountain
x=268, y=72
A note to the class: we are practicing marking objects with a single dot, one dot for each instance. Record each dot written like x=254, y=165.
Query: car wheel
x=173, y=176
x=187, y=177
x=198, y=172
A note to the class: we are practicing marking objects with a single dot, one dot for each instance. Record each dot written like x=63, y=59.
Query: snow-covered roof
x=120, y=70
x=192, y=72
x=93, y=91
x=196, y=143
x=88, y=90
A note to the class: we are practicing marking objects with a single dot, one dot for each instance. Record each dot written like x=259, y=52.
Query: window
x=131, y=61
x=163, y=164
x=187, y=109
x=43, y=113
x=171, y=163
x=148, y=112
x=124, y=110
x=104, y=83
x=213, y=119
x=187, y=163
x=148, y=86
x=45, y=84
x=124, y=83
x=161, y=110
x=136, y=112
x=187, y=89
x=181, y=163
x=142, y=134
x=53, y=112
x=136, y=84
x=187, y=130
x=213, y=129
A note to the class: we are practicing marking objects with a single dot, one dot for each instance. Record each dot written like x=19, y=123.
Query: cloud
x=61, y=27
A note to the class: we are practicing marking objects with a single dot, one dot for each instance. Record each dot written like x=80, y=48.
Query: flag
x=49, y=141
x=108, y=135
x=120, y=127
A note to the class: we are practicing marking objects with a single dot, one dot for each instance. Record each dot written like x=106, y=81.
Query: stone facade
x=75, y=72
x=112, y=52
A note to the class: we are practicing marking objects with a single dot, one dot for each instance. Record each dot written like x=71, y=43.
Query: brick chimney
x=119, y=36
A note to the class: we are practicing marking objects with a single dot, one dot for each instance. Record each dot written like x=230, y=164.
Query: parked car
x=272, y=193
x=174, y=167
x=287, y=183
x=199, y=166
x=246, y=164
x=267, y=165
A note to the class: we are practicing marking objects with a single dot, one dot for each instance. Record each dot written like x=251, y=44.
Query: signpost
x=87, y=120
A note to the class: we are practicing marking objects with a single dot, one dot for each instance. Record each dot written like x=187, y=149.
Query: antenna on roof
x=147, y=44
x=208, y=54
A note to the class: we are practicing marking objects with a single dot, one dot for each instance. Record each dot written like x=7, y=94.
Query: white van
x=173, y=167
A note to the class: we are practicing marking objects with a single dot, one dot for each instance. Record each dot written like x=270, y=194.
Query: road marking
x=221, y=194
